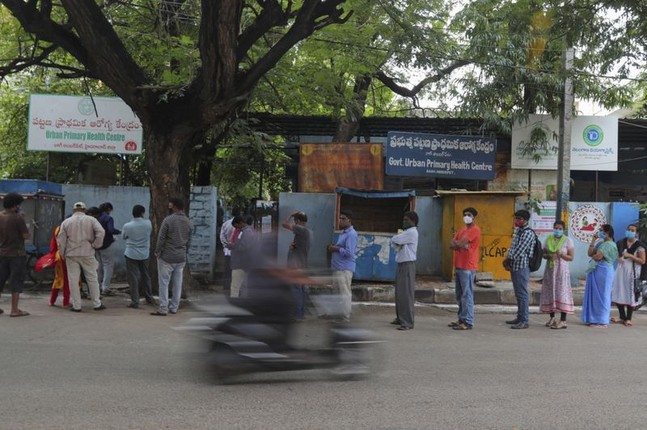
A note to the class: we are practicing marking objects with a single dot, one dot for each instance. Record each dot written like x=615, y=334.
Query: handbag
x=639, y=290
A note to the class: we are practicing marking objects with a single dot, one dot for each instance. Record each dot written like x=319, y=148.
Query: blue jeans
x=465, y=295
x=106, y=267
x=300, y=299
x=169, y=273
x=520, y=285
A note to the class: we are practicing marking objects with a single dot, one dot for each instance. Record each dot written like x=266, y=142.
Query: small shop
x=377, y=217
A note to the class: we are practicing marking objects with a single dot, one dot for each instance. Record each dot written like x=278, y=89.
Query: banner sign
x=83, y=124
x=440, y=156
x=594, y=143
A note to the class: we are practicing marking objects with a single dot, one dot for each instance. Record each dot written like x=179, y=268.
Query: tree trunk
x=348, y=126
x=168, y=158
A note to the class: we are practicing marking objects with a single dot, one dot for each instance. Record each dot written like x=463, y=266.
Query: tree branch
x=272, y=15
x=390, y=83
x=103, y=53
x=217, y=41
x=312, y=16
x=21, y=63
x=44, y=28
x=106, y=55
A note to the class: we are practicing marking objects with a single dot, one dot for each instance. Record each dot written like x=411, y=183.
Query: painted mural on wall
x=585, y=221
x=374, y=257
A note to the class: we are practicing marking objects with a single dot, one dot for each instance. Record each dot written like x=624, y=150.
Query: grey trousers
x=139, y=278
x=405, y=287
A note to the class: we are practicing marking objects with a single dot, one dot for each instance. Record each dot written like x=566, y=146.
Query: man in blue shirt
x=343, y=261
x=104, y=254
x=137, y=234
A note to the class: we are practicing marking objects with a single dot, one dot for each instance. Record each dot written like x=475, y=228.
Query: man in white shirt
x=226, y=230
x=137, y=234
x=406, y=245
x=78, y=238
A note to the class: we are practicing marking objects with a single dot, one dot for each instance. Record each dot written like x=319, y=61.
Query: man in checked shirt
x=517, y=262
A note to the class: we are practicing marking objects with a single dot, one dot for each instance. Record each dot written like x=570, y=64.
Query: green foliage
x=542, y=143
x=240, y=162
x=513, y=48
x=320, y=76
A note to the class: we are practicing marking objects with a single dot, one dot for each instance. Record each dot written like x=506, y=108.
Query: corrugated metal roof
x=632, y=133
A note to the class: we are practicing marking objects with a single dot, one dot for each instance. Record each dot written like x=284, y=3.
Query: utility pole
x=564, y=150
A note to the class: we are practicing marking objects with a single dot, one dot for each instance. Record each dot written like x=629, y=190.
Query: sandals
x=551, y=322
x=462, y=326
x=628, y=323
x=558, y=325
x=617, y=320
x=20, y=314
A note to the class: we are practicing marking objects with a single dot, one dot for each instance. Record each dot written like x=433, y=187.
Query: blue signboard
x=440, y=156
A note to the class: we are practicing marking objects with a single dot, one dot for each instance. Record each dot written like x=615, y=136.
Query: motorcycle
x=245, y=336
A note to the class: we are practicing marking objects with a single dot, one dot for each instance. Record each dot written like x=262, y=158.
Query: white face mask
x=468, y=219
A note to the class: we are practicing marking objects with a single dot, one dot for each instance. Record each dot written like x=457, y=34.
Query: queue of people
x=614, y=270
x=80, y=253
x=80, y=250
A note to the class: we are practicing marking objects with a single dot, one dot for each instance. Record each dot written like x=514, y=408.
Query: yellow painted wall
x=495, y=217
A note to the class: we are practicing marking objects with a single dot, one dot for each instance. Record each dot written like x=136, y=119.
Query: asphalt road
x=124, y=369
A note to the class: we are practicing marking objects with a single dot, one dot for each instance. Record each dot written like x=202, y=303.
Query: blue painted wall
x=623, y=214
x=320, y=208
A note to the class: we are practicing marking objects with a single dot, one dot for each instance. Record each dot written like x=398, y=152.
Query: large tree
x=144, y=51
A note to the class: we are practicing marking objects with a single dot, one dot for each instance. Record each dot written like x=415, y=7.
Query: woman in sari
x=556, y=293
x=53, y=258
x=632, y=257
x=596, y=305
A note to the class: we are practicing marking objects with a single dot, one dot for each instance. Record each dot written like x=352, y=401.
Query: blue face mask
x=630, y=234
x=601, y=234
x=558, y=233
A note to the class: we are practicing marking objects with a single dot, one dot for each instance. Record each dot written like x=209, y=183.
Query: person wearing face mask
x=596, y=304
x=556, y=293
x=466, y=244
x=342, y=261
x=517, y=262
x=406, y=245
x=631, y=258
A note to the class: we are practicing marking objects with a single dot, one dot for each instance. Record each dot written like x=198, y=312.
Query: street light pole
x=564, y=150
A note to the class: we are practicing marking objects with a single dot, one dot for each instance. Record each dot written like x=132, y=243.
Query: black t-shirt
x=12, y=231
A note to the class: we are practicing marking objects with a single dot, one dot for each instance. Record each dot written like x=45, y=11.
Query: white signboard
x=594, y=143
x=543, y=221
x=72, y=124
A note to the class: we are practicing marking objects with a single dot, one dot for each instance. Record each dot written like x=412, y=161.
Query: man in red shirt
x=466, y=246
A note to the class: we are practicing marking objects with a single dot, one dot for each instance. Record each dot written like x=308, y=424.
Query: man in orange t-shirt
x=466, y=245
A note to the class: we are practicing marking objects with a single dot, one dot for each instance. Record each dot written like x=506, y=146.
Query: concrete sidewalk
x=439, y=291
x=431, y=290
